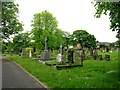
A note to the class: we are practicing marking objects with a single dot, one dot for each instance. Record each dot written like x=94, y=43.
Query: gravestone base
x=46, y=55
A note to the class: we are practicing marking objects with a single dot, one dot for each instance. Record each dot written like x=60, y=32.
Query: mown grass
x=93, y=74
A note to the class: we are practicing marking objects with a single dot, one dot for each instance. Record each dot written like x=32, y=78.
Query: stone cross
x=45, y=43
x=61, y=49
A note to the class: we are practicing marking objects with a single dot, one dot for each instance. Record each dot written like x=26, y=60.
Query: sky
x=71, y=15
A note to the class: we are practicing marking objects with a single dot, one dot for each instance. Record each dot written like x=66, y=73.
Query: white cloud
x=71, y=15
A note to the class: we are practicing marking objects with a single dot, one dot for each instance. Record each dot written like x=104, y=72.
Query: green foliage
x=21, y=41
x=105, y=73
x=45, y=25
x=9, y=23
x=84, y=38
x=113, y=10
x=3, y=48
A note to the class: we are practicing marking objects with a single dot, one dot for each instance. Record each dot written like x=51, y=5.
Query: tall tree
x=21, y=41
x=45, y=25
x=84, y=38
x=113, y=10
x=10, y=25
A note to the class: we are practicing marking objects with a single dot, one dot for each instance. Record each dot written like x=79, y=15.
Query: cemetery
x=76, y=65
x=101, y=71
x=70, y=56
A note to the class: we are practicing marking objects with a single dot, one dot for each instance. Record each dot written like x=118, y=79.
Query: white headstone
x=59, y=58
x=30, y=54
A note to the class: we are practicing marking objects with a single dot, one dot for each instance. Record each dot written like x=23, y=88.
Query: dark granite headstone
x=70, y=56
x=107, y=57
x=100, y=57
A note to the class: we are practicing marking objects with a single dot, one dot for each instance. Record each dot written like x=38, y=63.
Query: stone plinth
x=46, y=55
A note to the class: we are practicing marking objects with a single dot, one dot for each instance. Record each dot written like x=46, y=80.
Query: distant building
x=103, y=45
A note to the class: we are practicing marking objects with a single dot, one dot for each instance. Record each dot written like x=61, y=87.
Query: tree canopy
x=45, y=25
x=21, y=41
x=10, y=25
x=84, y=38
x=113, y=10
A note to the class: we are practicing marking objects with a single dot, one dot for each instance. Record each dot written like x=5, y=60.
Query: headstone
x=100, y=57
x=59, y=58
x=78, y=57
x=34, y=49
x=64, y=54
x=107, y=57
x=30, y=53
x=107, y=49
x=23, y=52
x=95, y=54
x=46, y=54
x=70, y=55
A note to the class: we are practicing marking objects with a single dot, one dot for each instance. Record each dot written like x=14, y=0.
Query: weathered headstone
x=70, y=55
x=95, y=54
x=78, y=57
x=64, y=55
x=46, y=54
x=23, y=52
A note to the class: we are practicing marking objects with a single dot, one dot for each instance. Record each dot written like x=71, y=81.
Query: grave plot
x=74, y=59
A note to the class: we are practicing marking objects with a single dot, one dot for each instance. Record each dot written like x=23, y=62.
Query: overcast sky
x=71, y=15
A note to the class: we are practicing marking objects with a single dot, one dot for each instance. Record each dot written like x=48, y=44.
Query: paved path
x=15, y=77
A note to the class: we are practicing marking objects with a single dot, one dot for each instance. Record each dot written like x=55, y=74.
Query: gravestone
x=46, y=54
x=23, y=52
x=95, y=54
x=65, y=54
x=107, y=49
x=78, y=55
x=70, y=55
x=107, y=57
x=100, y=57
x=60, y=56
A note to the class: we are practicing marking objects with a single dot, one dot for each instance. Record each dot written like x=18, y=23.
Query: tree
x=84, y=38
x=113, y=10
x=10, y=25
x=45, y=25
x=21, y=41
x=67, y=37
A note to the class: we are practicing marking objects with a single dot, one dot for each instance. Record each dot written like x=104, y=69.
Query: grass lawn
x=93, y=74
